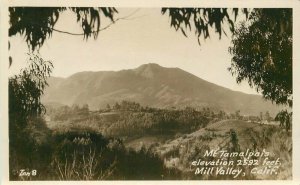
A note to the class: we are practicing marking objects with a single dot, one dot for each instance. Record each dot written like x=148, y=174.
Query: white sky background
x=147, y=38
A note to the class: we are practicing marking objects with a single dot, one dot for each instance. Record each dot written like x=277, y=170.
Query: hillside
x=151, y=85
x=220, y=129
x=179, y=152
x=178, y=137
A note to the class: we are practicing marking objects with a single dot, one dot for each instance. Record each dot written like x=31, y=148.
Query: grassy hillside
x=180, y=152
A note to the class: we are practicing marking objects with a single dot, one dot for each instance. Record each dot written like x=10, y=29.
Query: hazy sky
x=146, y=38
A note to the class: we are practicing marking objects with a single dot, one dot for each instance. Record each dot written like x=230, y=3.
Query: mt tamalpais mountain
x=151, y=85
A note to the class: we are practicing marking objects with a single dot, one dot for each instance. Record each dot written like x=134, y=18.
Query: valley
x=177, y=136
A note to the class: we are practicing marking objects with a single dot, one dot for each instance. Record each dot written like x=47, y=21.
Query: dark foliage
x=29, y=149
x=81, y=155
x=36, y=24
x=202, y=19
x=87, y=155
x=25, y=109
x=25, y=89
x=262, y=54
x=285, y=119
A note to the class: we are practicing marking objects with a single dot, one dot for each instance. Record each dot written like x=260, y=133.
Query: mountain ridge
x=151, y=85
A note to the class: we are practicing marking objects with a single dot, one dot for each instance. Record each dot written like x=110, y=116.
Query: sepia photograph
x=162, y=93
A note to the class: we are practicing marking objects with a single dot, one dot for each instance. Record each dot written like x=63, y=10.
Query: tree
x=25, y=109
x=202, y=19
x=284, y=117
x=262, y=46
x=237, y=114
x=36, y=24
x=116, y=106
x=26, y=89
x=262, y=54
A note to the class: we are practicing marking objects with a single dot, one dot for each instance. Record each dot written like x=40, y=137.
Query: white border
x=295, y=4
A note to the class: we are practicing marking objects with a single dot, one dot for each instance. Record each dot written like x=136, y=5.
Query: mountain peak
x=149, y=65
x=148, y=70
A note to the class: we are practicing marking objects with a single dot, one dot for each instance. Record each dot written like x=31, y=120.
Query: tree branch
x=127, y=17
